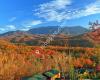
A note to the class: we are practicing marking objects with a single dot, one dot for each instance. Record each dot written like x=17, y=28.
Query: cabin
x=52, y=74
x=48, y=75
x=35, y=77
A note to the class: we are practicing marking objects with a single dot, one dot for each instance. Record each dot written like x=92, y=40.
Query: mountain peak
x=73, y=30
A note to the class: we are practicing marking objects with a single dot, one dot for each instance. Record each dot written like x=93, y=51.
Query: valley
x=22, y=57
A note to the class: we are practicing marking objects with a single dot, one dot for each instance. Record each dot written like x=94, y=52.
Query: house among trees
x=48, y=75
x=35, y=77
x=52, y=74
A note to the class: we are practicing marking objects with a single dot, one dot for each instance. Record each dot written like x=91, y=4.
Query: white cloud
x=93, y=8
x=54, y=10
x=11, y=27
x=25, y=29
x=55, y=4
x=34, y=22
x=7, y=28
x=29, y=24
x=12, y=19
x=58, y=10
x=2, y=29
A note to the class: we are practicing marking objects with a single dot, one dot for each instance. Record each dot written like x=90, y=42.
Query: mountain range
x=72, y=30
x=74, y=36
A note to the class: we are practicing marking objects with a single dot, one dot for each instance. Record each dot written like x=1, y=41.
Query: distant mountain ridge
x=79, y=36
x=92, y=38
x=73, y=30
x=38, y=36
x=43, y=30
x=13, y=33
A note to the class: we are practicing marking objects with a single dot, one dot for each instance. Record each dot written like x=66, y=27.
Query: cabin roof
x=51, y=73
x=35, y=77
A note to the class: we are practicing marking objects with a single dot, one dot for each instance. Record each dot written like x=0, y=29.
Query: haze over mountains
x=72, y=30
x=76, y=36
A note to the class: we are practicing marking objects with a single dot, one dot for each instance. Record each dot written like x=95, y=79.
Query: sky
x=27, y=14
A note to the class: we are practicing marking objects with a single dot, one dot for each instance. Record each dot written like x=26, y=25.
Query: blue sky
x=27, y=14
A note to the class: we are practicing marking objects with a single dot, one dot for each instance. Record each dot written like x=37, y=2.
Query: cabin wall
x=56, y=76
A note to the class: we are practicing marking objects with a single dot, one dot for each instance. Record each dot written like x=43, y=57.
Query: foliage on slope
x=19, y=61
